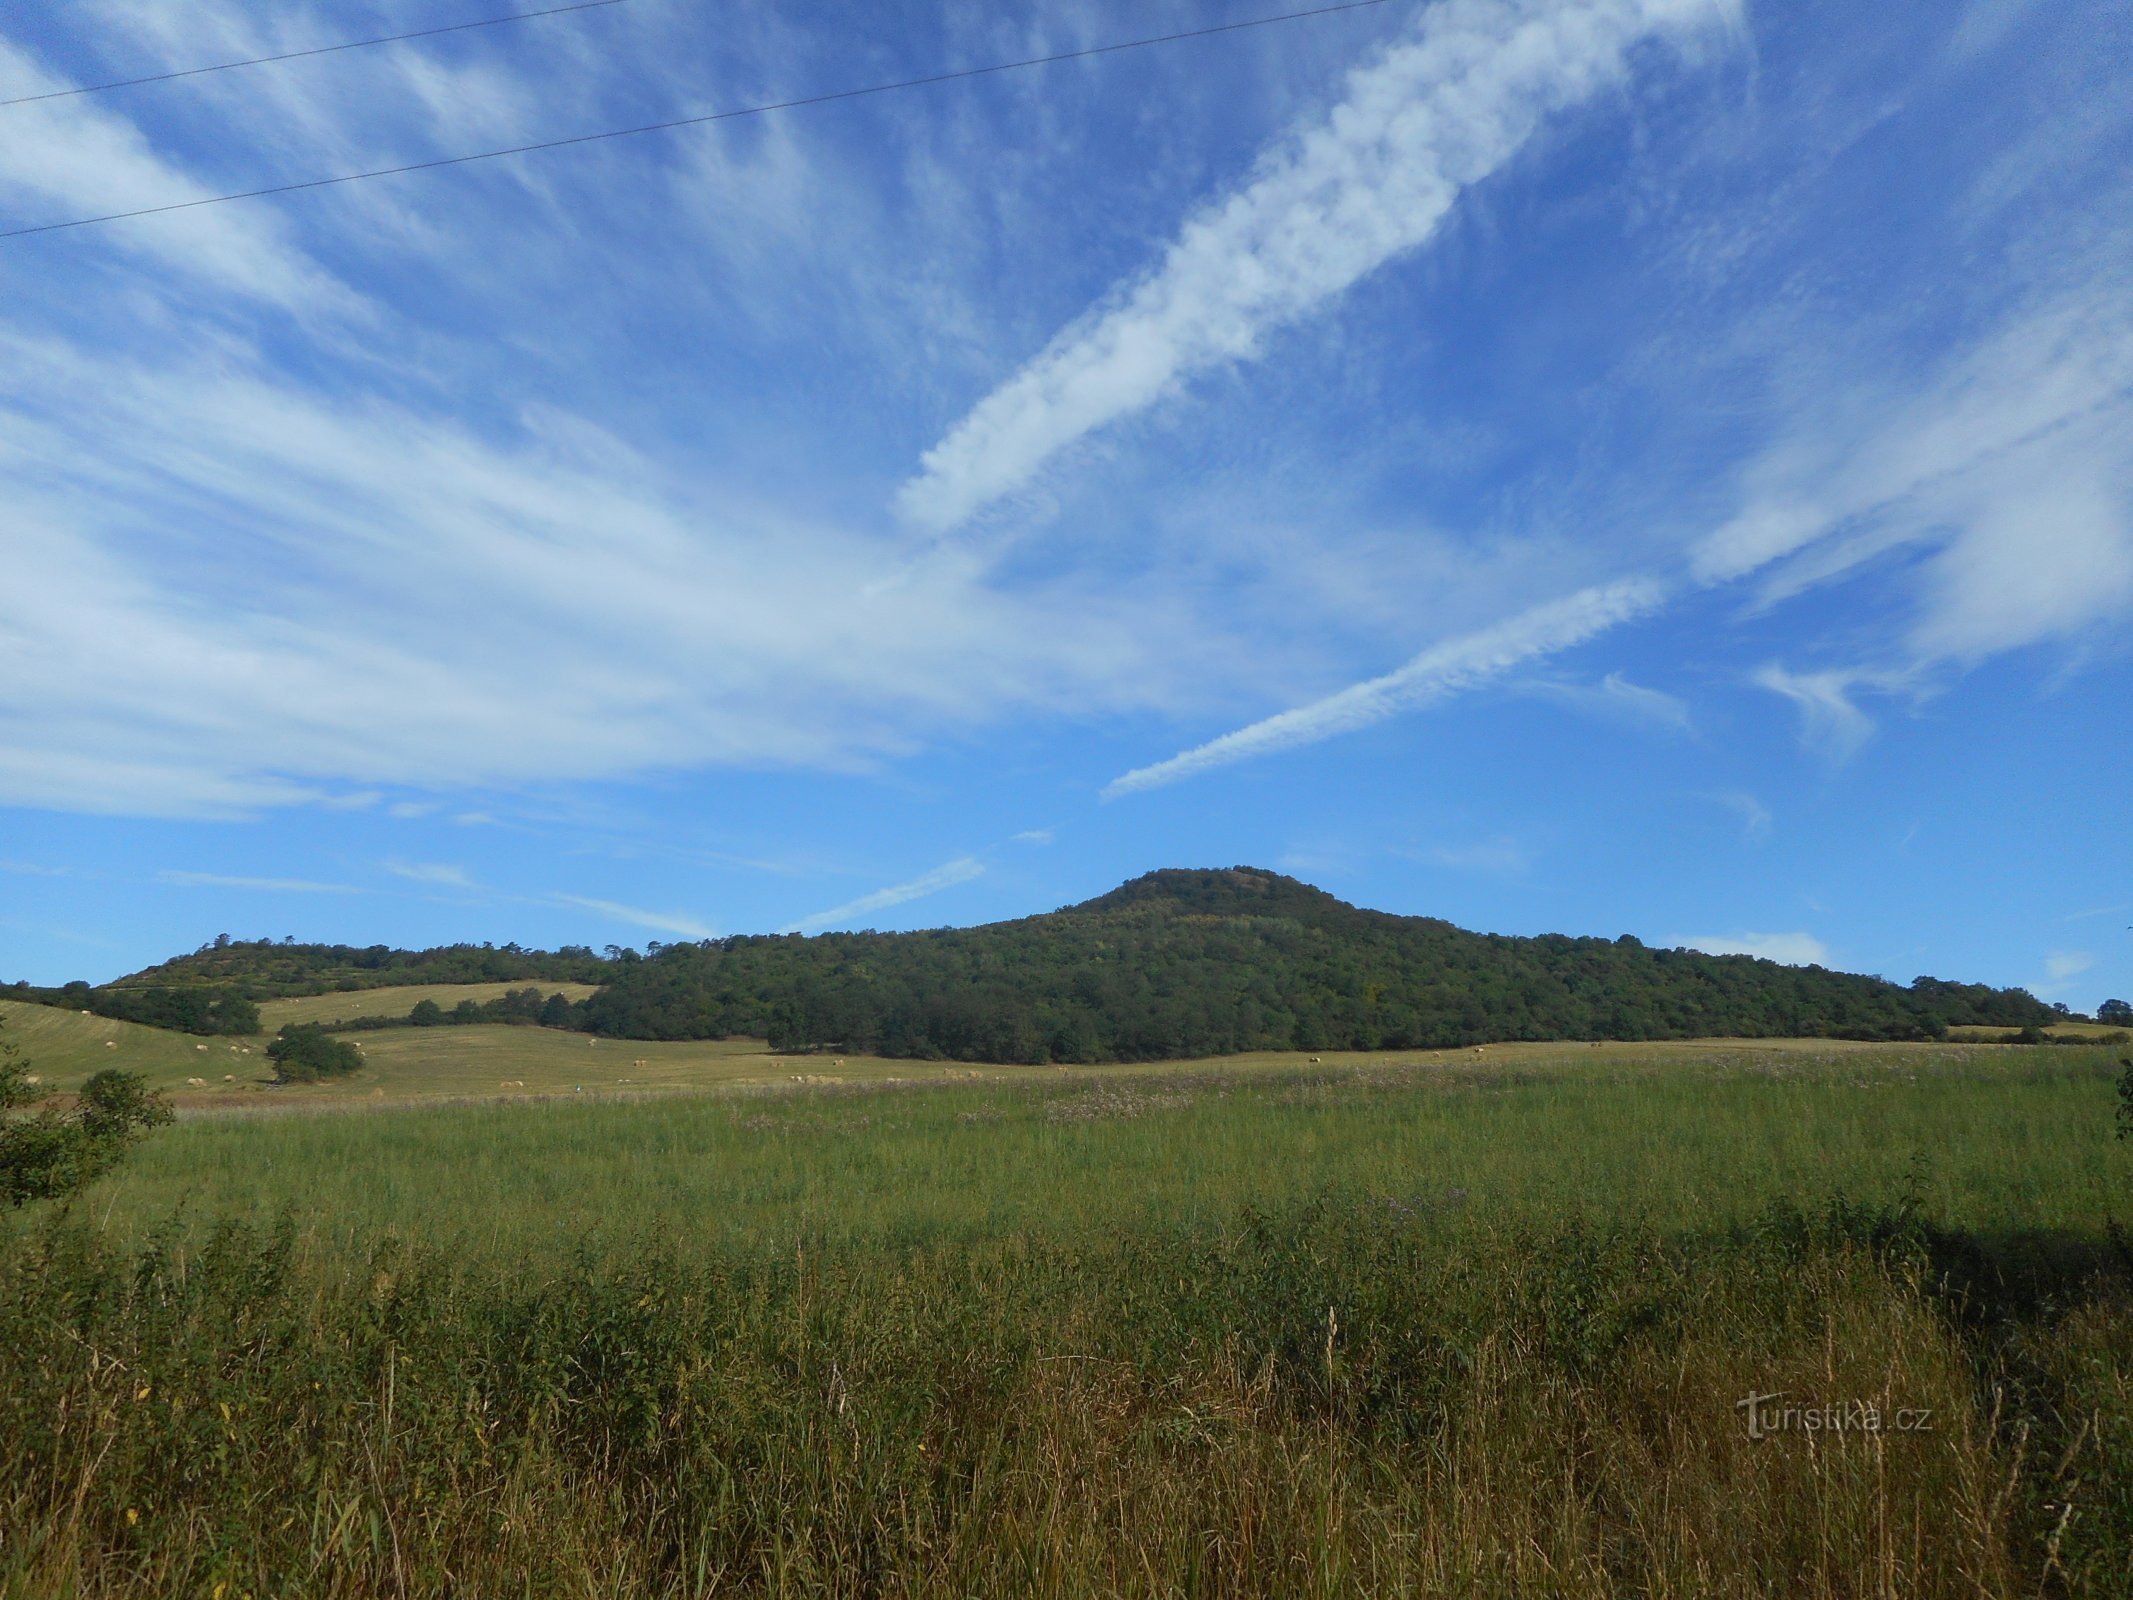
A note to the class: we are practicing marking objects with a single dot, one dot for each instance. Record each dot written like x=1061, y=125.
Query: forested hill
x=1184, y=963
x=261, y=969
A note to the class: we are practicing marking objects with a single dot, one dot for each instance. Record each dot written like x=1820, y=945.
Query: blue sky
x=1649, y=466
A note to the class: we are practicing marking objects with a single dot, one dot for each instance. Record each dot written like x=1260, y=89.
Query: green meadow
x=1423, y=1325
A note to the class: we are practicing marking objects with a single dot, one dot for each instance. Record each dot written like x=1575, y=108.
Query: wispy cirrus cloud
x=2063, y=965
x=1830, y=719
x=946, y=876
x=2003, y=476
x=1443, y=669
x=1755, y=817
x=437, y=874
x=30, y=869
x=658, y=921
x=1487, y=856
x=1374, y=178
x=1615, y=699
x=219, y=880
x=346, y=530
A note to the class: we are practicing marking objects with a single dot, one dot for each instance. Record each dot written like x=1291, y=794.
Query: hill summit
x=1219, y=892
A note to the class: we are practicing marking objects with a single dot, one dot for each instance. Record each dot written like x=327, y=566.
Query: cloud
x=1492, y=856
x=315, y=630
x=28, y=869
x=1793, y=949
x=2005, y=472
x=2067, y=964
x=2099, y=911
x=1615, y=699
x=1829, y=720
x=960, y=870
x=1439, y=671
x=660, y=921
x=70, y=158
x=1369, y=181
x=216, y=880
x=435, y=873
x=1034, y=836
x=2007, y=468
x=1755, y=818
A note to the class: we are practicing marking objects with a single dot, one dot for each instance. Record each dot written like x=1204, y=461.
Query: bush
x=305, y=1052
x=48, y=1154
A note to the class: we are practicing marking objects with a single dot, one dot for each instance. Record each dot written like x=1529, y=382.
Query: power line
x=317, y=50
x=697, y=121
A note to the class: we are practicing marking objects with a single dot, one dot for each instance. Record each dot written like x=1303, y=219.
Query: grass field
x=1429, y=1325
x=64, y=1047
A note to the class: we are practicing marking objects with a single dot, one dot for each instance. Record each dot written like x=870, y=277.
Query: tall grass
x=1396, y=1333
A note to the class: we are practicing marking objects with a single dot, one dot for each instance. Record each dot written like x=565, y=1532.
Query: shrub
x=305, y=1052
x=48, y=1154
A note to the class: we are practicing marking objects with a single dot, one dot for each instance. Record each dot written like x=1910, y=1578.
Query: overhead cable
x=693, y=121
x=316, y=50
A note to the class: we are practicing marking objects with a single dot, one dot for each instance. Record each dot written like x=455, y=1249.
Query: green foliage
x=2125, y=1098
x=264, y=969
x=1309, y=1395
x=48, y=1154
x=1179, y=964
x=2114, y=1011
x=305, y=1052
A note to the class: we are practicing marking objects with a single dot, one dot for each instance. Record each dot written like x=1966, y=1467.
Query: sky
x=1595, y=466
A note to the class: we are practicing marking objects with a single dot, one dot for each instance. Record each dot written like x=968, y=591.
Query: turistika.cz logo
x=1768, y=1416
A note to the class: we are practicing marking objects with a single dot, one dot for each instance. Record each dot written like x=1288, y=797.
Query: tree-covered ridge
x=262, y=969
x=1181, y=963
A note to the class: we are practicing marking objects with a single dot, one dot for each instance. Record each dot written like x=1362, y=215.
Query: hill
x=216, y=989
x=1202, y=963
x=261, y=969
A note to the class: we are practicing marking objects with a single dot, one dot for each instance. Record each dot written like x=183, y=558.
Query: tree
x=426, y=1014
x=556, y=1012
x=2116, y=1012
x=49, y=1154
x=305, y=1052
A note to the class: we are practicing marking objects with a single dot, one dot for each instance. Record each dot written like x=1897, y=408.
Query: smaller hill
x=260, y=969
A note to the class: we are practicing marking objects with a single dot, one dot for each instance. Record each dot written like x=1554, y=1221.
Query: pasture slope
x=66, y=1047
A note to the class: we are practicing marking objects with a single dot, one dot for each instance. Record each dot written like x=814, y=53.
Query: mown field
x=1427, y=1325
x=65, y=1047
x=397, y=1001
